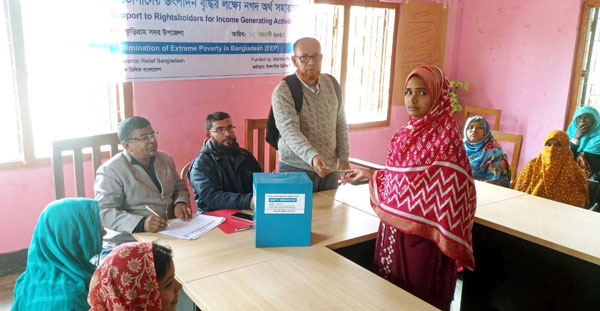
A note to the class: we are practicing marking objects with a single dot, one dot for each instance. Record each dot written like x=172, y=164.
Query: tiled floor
x=7, y=284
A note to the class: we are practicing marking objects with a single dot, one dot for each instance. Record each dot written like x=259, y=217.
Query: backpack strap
x=296, y=88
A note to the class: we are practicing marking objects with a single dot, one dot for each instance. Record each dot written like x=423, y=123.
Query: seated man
x=221, y=174
x=139, y=188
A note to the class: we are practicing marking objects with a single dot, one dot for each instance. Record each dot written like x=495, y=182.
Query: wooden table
x=530, y=253
x=314, y=278
x=226, y=272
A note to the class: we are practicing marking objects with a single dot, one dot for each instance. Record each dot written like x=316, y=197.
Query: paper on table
x=193, y=229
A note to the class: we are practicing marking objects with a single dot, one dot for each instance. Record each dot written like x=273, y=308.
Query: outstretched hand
x=356, y=175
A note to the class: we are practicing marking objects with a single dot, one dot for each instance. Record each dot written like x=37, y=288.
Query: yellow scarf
x=554, y=175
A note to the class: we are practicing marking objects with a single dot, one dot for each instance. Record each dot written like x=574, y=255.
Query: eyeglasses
x=306, y=58
x=145, y=138
x=221, y=130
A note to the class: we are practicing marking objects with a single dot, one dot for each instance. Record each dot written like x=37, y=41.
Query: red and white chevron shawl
x=427, y=188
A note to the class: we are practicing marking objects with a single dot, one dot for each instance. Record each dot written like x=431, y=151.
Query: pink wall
x=516, y=56
x=177, y=109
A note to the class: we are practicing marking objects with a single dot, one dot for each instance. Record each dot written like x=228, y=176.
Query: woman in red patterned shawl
x=425, y=196
x=135, y=276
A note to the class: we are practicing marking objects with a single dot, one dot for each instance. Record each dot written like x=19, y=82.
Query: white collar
x=315, y=89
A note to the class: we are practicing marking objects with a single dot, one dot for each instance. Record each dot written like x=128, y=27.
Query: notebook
x=193, y=229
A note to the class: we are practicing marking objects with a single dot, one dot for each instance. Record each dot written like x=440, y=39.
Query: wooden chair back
x=480, y=111
x=184, y=172
x=76, y=145
x=260, y=126
x=517, y=140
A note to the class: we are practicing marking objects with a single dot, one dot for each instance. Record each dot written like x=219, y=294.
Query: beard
x=309, y=76
x=226, y=149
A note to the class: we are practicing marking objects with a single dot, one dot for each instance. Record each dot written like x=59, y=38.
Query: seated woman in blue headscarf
x=67, y=236
x=584, y=135
x=488, y=161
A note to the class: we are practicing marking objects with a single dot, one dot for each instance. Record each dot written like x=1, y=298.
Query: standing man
x=315, y=138
x=221, y=174
x=139, y=188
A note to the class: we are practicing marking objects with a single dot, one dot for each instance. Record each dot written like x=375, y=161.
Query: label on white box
x=277, y=203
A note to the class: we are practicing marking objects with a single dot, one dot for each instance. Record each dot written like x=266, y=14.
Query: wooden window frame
x=343, y=69
x=578, y=59
x=124, y=103
x=123, y=92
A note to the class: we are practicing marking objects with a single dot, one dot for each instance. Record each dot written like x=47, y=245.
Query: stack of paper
x=196, y=227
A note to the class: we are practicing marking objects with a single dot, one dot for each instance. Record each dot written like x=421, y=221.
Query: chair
x=260, y=126
x=517, y=140
x=76, y=145
x=184, y=172
x=481, y=112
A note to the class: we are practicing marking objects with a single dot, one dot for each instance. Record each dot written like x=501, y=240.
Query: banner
x=182, y=39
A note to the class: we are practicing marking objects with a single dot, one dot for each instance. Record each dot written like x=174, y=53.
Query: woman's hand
x=356, y=174
x=581, y=131
x=584, y=164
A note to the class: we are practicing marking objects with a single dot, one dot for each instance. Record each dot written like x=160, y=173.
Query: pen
x=244, y=228
x=153, y=212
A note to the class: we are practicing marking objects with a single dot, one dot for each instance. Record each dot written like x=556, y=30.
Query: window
x=358, y=44
x=10, y=126
x=49, y=89
x=585, y=82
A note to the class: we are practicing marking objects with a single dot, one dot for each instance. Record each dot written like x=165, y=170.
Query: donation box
x=282, y=209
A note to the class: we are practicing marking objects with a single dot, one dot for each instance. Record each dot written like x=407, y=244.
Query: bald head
x=307, y=41
x=307, y=59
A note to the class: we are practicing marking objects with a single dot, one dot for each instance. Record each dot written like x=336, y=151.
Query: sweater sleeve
x=288, y=124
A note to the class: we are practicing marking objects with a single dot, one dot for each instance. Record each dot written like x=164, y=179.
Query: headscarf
x=488, y=160
x=66, y=237
x=554, y=175
x=427, y=187
x=589, y=142
x=126, y=280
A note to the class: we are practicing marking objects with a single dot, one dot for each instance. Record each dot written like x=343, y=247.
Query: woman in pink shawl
x=425, y=196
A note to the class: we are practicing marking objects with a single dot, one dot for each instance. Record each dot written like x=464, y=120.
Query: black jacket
x=222, y=181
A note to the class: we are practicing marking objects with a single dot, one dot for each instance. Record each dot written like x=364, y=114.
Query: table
x=226, y=272
x=530, y=253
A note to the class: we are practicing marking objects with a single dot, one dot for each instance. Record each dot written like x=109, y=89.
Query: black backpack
x=272, y=136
